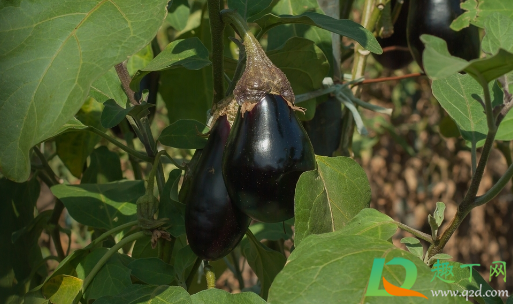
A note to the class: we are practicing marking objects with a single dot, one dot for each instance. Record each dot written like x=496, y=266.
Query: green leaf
x=371, y=222
x=112, y=278
x=142, y=249
x=152, y=271
x=498, y=29
x=34, y=297
x=458, y=95
x=219, y=296
x=265, y=262
x=271, y=231
x=45, y=81
x=439, y=64
x=248, y=8
x=108, y=87
x=113, y=114
x=19, y=259
x=184, y=134
x=62, y=289
x=328, y=198
x=335, y=267
x=105, y=167
x=477, y=12
x=101, y=205
x=439, y=213
x=148, y=294
x=414, y=246
x=462, y=283
x=139, y=60
x=184, y=260
x=448, y=127
x=188, y=53
x=178, y=13
x=305, y=66
x=74, y=147
x=343, y=27
x=170, y=207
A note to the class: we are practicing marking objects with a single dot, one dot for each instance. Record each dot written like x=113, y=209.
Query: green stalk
x=127, y=134
x=107, y=256
x=129, y=150
x=216, y=30
x=415, y=232
x=496, y=189
x=194, y=269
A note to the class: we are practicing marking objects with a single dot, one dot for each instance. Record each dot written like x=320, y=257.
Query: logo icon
x=391, y=289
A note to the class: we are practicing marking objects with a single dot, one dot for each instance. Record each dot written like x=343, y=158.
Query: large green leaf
x=458, y=95
x=464, y=282
x=183, y=262
x=112, y=278
x=498, y=35
x=478, y=10
x=73, y=147
x=148, y=294
x=152, y=271
x=45, y=81
x=248, y=8
x=343, y=27
x=328, y=198
x=335, y=268
x=105, y=167
x=101, y=205
x=188, y=53
x=371, y=222
x=440, y=64
x=305, y=66
x=142, y=249
x=265, y=262
x=108, y=87
x=218, y=296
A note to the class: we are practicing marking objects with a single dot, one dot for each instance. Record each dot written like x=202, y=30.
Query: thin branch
x=496, y=189
x=421, y=235
x=376, y=80
x=395, y=48
x=129, y=150
x=125, y=79
x=238, y=273
x=194, y=269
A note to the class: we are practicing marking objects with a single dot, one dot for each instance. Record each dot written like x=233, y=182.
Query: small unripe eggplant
x=266, y=152
x=434, y=17
x=213, y=224
x=400, y=56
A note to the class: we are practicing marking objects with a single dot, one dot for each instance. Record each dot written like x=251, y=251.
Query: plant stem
x=237, y=272
x=113, y=231
x=46, y=166
x=376, y=80
x=194, y=269
x=473, y=157
x=216, y=30
x=238, y=70
x=125, y=79
x=496, y=189
x=415, y=232
x=128, y=135
x=107, y=256
x=469, y=201
x=235, y=20
x=129, y=150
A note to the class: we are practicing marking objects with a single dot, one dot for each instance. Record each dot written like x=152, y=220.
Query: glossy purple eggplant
x=214, y=226
x=400, y=57
x=434, y=17
x=266, y=152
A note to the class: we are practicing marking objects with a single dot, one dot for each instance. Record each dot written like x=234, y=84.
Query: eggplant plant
x=181, y=142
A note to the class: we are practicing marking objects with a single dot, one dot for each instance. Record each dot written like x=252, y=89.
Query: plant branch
x=376, y=80
x=128, y=135
x=239, y=69
x=194, y=269
x=421, y=235
x=496, y=189
x=238, y=273
x=107, y=256
x=216, y=30
x=235, y=20
x=129, y=150
x=125, y=79
x=46, y=167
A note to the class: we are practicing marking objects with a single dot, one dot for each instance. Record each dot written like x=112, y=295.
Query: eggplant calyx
x=260, y=77
x=227, y=106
